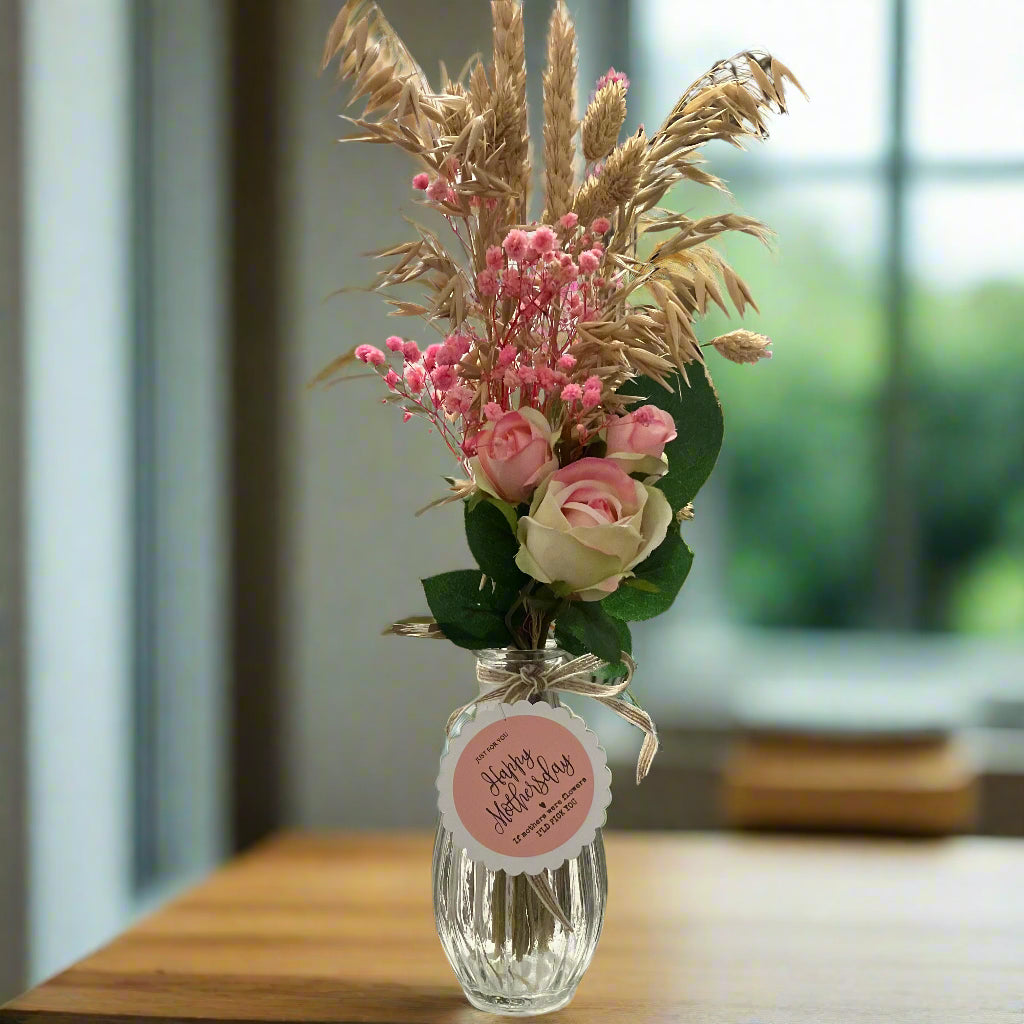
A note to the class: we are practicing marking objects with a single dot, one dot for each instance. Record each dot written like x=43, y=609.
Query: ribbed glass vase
x=511, y=955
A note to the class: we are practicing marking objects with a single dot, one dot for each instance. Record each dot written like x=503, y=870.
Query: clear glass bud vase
x=511, y=955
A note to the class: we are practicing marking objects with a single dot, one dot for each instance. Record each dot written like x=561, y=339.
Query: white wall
x=76, y=71
x=355, y=474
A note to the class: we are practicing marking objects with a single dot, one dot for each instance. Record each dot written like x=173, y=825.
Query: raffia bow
x=532, y=679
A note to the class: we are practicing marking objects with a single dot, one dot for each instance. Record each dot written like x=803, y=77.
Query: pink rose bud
x=637, y=440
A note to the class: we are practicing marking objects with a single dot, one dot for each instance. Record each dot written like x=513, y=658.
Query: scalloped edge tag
x=518, y=779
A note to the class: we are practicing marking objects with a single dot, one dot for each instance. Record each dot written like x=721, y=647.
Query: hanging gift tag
x=524, y=786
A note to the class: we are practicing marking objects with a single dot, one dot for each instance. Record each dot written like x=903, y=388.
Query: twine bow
x=532, y=679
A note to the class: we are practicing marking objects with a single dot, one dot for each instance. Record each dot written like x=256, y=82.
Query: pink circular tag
x=524, y=786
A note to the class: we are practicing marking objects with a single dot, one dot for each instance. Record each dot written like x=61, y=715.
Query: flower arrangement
x=569, y=385
x=568, y=382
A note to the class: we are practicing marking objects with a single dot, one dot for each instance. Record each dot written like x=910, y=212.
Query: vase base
x=520, y=1006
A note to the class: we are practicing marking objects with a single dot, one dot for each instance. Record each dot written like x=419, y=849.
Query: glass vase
x=511, y=955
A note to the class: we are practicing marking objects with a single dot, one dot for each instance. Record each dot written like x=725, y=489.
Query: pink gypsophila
x=437, y=190
x=516, y=244
x=371, y=355
x=566, y=362
x=443, y=377
x=495, y=257
x=411, y=351
x=611, y=75
x=601, y=226
x=591, y=398
x=487, y=283
x=569, y=221
x=430, y=357
x=543, y=239
x=391, y=379
x=415, y=377
x=493, y=411
x=420, y=182
x=394, y=343
x=589, y=262
x=572, y=393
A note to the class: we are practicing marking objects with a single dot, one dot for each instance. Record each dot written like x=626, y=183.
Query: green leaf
x=493, y=543
x=586, y=627
x=699, y=426
x=638, y=584
x=466, y=614
x=664, y=570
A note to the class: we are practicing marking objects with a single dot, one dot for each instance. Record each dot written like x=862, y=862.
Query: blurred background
x=197, y=554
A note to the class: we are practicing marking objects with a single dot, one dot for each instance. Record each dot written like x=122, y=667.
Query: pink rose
x=514, y=455
x=637, y=441
x=589, y=525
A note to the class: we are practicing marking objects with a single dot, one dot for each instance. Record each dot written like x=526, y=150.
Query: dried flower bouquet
x=568, y=381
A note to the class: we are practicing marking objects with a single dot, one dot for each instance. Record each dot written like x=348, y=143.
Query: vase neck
x=511, y=659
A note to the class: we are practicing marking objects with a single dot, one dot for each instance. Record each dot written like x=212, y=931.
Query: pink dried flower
x=421, y=181
x=415, y=377
x=437, y=190
x=461, y=343
x=458, y=400
x=589, y=262
x=507, y=355
x=512, y=280
x=611, y=75
x=528, y=375
x=601, y=226
x=495, y=257
x=391, y=379
x=430, y=357
x=394, y=343
x=598, y=246
x=447, y=355
x=569, y=272
x=443, y=377
x=543, y=239
x=572, y=393
x=493, y=411
x=511, y=379
x=566, y=362
x=591, y=399
x=599, y=282
x=411, y=351
x=487, y=283
x=369, y=354
x=569, y=221
x=546, y=378
x=592, y=383
x=516, y=244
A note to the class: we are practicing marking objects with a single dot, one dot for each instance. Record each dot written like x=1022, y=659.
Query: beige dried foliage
x=603, y=121
x=616, y=184
x=472, y=132
x=743, y=346
x=560, y=124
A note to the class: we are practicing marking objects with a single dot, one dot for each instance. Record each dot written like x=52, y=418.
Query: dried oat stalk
x=562, y=314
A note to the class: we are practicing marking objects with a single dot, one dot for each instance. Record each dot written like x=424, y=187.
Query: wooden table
x=700, y=928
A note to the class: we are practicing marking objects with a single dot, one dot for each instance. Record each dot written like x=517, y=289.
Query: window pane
x=847, y=81
x=798, y=464
x=966, y=88
x=966, y=313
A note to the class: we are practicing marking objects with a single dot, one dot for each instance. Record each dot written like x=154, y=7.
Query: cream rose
x=589, y=525
x=637, y=441
x=514, y=454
